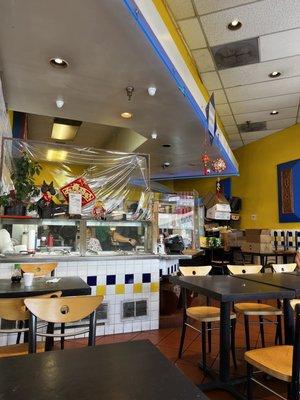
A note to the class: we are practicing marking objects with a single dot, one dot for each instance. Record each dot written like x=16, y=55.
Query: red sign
x=80, y=186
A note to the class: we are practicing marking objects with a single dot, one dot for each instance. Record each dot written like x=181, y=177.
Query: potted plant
x=16, y=200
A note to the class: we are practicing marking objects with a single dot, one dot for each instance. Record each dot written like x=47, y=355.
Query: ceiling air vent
x=236, y=54
x=252, y=126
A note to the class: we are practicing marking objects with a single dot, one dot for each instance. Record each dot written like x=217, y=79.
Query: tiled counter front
x=130, y=288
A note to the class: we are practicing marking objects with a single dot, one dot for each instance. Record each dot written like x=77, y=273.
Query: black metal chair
x=281, y=362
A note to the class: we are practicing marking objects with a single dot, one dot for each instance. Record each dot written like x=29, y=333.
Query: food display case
x=180, y=215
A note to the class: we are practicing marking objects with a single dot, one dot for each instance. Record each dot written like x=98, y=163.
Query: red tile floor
x=167, y=341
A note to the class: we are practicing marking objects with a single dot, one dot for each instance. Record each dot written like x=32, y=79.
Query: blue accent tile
x=129, y=278
x=110, y=279
x=160, y=273
x=92, y=280
x=146, y=278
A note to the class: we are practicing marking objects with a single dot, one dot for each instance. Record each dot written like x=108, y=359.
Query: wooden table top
x=230, y=288
x=125, y=371
x=70, y=286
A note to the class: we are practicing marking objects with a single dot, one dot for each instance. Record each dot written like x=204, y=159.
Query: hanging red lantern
x=206, y=160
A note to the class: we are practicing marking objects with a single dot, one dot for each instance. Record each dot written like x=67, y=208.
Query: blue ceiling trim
x=144, y=26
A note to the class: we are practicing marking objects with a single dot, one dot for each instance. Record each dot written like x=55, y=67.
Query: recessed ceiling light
x=126, y=115
x=166, y=145
x=165, y=165
x=59, y=103
x=151, y=90
x=274, y=74
x=234, y=25
x=57, y=62
x=154, y=135
x=274, y=112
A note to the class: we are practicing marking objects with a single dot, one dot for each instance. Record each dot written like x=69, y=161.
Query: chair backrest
x=278, y=268
x=244, y=269
x=296, y=354
x=195, y=271
x=39, y=269
x=64, y=309
x=14, y=309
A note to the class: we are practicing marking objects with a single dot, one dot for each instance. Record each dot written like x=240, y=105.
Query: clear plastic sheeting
x=110, y=175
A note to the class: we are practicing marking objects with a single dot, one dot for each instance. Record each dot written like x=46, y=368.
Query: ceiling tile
x=265, y=115
x=258, y=18
x=181, y=8
x=211, y=80
x=205, y=7
x=192, y=33
x=264, y=89
x=228, y=120
x=281, y=44
x=256, y=135
x=203, y=60
x=232, y=129
x=267, y=103
x=220, y=97
x=236, y=136
x=223, y=109
x=281, y=123
x=259, y=72
x=236, y=144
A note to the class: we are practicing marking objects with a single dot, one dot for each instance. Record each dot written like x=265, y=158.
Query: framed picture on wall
x=288, y=178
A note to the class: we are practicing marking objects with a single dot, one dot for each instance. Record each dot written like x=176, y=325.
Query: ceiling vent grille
x=252, y=126
x=236, y=54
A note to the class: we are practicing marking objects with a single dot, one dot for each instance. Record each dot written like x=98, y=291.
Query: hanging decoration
x=218, y=165
x=206, y=161
x=80, y=186
x=218, y=188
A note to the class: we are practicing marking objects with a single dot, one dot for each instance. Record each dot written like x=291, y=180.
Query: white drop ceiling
x=246, y=93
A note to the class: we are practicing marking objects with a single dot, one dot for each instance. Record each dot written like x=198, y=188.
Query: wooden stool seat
x=275, y=361
x=20, y=349
x=256, y=309
x=205, y=313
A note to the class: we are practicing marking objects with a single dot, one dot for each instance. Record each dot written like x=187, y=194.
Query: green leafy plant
x=22, y=176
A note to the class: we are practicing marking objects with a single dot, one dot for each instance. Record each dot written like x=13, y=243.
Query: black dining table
x=127, y=371
x=228, y=289
x=70, y=286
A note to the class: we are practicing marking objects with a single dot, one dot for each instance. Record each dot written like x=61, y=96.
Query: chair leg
x=183, y=330
x=209, y=336
x=247, y=332
x=233, y=326
x=262, y=332
x=203, y=329
x=279, y=329
x=20, y=326
x=249, y=382
x=62, y=339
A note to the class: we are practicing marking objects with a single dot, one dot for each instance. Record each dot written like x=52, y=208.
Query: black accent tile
x=92, y=280
x=160, y=273
x=146, y=278
x=111, y=279
x=129, y=278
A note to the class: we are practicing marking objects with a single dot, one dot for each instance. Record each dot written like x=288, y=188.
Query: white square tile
x=127, y=327
x=154, y=324
x=120, y=278
x=146, y=325
x=119, y=328
x=110, y=289
x=109, y=329
x=137, y=326
x=128, y=288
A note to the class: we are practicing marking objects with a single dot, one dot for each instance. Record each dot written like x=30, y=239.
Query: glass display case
x=81, y=237
x=180, y=214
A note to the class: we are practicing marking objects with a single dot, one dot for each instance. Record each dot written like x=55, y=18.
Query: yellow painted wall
x=257, y=183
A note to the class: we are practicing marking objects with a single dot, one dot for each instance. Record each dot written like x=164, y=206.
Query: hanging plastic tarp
x=104, y=178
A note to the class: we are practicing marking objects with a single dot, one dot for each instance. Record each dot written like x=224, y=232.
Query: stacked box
x=258, y=241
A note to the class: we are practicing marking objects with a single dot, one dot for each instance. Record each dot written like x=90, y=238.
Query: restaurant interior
x=150, y=199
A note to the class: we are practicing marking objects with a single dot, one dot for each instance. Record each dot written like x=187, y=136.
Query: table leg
x=225, y=342
x=288, y=322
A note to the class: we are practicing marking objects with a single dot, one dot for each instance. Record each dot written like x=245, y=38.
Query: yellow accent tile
x=101, y=290
x=137, y=288
x=154, y=287
x=120, y=288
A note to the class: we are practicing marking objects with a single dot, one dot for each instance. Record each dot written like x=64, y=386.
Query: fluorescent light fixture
x=64, y=129
x=56, y=155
